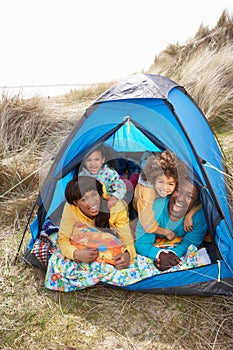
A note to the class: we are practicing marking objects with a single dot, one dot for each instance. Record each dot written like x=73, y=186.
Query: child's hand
x=170, y=235
x=112, y=201
x=188, y=224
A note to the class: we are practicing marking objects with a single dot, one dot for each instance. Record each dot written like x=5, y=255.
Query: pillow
x=107, y=244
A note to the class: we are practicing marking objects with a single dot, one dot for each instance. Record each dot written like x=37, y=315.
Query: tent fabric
x=139, y=86
x=194, y=281
x=148, y=112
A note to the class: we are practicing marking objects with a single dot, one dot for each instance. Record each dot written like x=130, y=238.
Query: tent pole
x=24, y=233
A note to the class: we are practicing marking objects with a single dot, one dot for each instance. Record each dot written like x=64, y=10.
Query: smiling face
x=94, y=162
x=164, y=185
x=89, y=204
x=183, y=199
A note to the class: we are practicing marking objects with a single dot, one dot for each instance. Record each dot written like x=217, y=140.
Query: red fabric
x=131, y=182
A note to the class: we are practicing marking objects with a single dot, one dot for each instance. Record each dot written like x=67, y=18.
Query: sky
x=46, y=42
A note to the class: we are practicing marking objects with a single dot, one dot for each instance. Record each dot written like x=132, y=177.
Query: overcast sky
x=90, y=41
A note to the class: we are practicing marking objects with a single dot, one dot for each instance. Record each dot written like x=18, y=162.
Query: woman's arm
x=68, y=221
x=85, y=255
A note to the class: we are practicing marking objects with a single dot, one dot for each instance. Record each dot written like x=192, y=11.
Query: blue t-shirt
x=144, y=241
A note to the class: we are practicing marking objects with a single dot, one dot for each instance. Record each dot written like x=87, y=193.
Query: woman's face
x=94, y=162
x=164, y=185
x=89, y=204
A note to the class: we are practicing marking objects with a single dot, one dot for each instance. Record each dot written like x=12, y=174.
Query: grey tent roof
x=139, y=85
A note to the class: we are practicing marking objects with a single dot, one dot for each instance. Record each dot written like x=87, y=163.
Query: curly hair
x=163, y=163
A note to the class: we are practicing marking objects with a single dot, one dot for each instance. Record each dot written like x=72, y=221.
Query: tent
x=151, y=112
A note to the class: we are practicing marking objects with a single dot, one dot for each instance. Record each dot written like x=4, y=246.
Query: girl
x=94, y=165
x=159, y=179
x=85, y=204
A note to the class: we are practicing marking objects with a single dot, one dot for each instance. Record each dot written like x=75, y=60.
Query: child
x=159, y=179
x=95, y=166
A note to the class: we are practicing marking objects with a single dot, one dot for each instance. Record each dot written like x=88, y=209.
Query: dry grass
x=175, y=55
x=88, y=94
x=24, y=124
x=103, y=317
x=203, y=67
x=208, y=78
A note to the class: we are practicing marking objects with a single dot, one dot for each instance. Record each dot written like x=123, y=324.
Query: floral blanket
x=67, y=275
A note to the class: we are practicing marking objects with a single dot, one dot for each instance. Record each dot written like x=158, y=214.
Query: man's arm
x=194, y=237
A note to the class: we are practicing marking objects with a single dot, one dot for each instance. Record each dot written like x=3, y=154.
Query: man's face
x=183, y=199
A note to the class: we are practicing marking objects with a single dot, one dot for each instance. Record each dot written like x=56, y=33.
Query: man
x=170, y=213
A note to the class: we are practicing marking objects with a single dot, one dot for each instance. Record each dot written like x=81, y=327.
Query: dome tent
x=151, y=112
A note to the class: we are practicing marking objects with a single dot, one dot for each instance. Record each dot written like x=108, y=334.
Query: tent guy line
x=21, y=181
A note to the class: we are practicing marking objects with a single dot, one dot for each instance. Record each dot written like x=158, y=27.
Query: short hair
x=79, y=185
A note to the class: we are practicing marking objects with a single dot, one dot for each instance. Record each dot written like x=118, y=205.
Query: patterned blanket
x=67, y=275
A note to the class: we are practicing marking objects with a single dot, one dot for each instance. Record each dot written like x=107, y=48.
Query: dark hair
x=98, y=148
x=106, y=152
x=78, y=187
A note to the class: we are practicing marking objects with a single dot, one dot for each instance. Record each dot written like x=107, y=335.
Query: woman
x=70, y=268
x=85, y=204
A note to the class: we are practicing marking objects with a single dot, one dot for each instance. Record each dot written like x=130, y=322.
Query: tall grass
x=203, y=65
x=89, y=94
x=32, y=131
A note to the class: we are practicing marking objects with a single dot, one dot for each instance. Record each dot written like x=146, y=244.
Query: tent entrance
x=129, y=138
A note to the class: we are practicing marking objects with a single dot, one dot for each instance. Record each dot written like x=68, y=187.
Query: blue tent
x=151, y=112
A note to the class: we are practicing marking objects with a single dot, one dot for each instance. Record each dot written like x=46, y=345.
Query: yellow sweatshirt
x=118, y=221
x=144, y=197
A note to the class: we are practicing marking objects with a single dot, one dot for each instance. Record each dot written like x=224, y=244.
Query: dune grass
x=104, y=317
